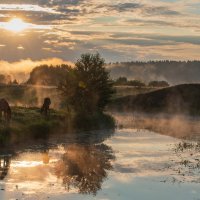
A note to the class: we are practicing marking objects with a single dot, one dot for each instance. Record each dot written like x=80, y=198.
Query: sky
x=120, y=30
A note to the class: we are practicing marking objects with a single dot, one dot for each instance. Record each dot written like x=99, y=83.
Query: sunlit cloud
x=18, y=25
x=25, y=7
x=119, y=30
x=21, y=69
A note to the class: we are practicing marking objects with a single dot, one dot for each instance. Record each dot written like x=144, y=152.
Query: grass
x=28, y=122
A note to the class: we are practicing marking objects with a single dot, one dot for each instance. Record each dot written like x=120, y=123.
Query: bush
x=121, y=81
x=158, y=84
x=136, y=83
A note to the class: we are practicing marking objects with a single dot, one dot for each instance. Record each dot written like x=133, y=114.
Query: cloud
x=21, y=69
x=119, y=30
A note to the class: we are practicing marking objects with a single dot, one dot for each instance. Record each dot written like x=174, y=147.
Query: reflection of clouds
x=141, y=154
x=81, y=168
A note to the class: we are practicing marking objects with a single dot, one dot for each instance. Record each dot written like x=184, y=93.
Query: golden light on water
x=16, y=25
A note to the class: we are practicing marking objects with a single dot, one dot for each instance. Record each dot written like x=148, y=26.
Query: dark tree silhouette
x=158, y=84
x=48, y=75
x=136, y=83
x=88, y=86
x=121, y=81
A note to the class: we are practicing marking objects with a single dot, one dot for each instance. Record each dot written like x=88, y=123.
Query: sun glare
x=16, y=25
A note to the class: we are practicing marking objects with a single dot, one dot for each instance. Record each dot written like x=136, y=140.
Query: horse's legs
x=1, y=114
x=7, y=118
x=45, y=112
x=48, y=112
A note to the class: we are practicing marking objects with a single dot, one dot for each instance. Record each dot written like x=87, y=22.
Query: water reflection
x=81, y=162
x=4, y=165
x=84, y=167
x=178, y=126
x=111, y=164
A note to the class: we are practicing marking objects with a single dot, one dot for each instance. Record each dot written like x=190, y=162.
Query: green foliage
x=87, y=86
x=28, y=123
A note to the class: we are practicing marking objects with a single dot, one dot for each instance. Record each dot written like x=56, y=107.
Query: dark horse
x=45, y=107
x=5, y=110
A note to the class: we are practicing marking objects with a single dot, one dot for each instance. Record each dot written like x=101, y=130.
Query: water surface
x=128, y=163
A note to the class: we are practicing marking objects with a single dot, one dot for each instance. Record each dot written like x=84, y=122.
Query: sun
x=16, y=25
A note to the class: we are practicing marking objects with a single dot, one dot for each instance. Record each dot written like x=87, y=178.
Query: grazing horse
x=45, y=107
x=5, y=110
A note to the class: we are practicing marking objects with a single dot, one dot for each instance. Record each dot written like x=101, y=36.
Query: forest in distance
x=49, y=75
x=133, y=73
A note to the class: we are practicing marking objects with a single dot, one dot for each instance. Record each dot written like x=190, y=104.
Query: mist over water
x=179, y=126
x=132, y=162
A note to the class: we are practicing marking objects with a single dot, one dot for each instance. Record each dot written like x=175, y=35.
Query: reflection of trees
x=4, y=166
x=84, y=167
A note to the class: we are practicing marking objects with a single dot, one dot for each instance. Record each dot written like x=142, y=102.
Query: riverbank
x=28, y=123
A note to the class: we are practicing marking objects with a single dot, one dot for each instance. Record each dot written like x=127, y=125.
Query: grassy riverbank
x=28, y=123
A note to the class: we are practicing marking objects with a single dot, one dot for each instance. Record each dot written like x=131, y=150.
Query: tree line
x=123, y=81
x=175, y=72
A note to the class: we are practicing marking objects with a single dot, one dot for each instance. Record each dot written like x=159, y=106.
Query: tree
x=5, y=79
x=15, y=82
x=158, y=84
x=121, y=81
x=136, y=83
x=48, y=75
x=91, y=87
x=68, y=87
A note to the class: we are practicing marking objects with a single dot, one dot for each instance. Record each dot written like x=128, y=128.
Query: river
x=125, y=163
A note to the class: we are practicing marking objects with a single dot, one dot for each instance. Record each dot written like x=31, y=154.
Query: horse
x=5, y=110
x=45, y=107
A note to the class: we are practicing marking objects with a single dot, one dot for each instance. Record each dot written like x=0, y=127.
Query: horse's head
x=47, y=101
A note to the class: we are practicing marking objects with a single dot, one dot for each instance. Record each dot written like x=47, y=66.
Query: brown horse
x=5, y=110
x=45, y=107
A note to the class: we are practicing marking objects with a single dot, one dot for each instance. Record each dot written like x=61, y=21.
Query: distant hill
x=174, y=72
x=180, y=99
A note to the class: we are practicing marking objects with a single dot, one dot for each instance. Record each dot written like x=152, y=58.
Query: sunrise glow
x=16, y=25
